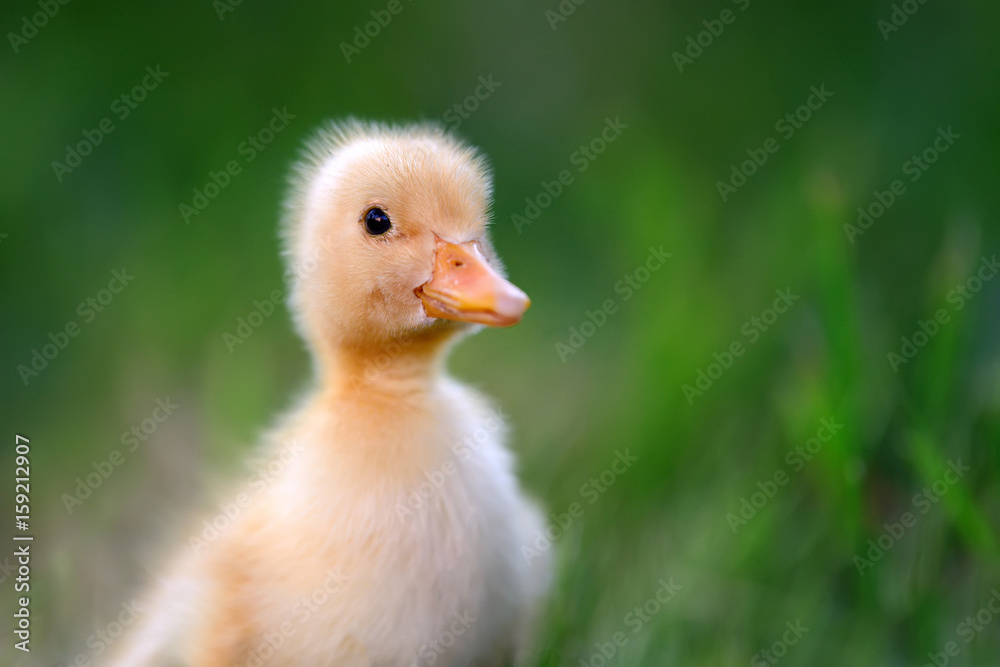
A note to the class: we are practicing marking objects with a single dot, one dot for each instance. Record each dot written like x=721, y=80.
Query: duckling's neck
x=400, y=367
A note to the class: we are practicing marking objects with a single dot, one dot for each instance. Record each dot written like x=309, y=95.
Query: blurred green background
x=623, y=390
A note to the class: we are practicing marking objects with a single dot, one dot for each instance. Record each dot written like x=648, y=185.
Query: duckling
x=393, y=530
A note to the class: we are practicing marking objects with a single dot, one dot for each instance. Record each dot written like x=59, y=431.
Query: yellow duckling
x=393, y=533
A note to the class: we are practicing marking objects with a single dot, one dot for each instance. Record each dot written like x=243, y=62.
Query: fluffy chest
x=425, y=551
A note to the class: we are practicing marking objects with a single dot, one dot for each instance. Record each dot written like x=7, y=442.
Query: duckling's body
x=392, y=533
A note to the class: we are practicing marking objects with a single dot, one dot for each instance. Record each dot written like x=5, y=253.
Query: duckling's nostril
x=457, y=263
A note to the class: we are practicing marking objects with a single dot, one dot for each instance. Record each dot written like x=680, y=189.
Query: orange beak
x=466, y=288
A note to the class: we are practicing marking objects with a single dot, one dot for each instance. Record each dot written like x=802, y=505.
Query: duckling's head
x=386, y=238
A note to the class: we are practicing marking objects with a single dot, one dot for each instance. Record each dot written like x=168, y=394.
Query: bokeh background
x=655, y=185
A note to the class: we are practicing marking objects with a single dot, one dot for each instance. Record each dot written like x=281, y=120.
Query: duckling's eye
x=377, y=222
